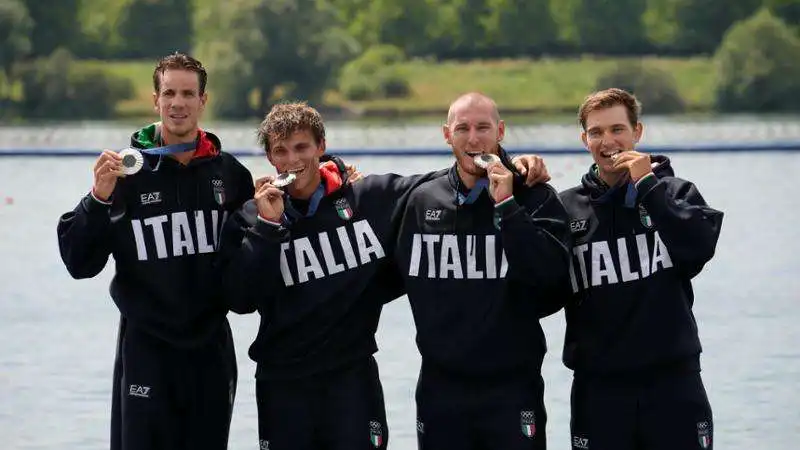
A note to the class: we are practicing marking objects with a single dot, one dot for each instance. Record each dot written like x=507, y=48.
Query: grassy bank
x=521, y=86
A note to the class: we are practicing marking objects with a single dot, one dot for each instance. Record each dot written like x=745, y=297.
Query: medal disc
x=132, y=161
x=483, y=160
x=284, y=179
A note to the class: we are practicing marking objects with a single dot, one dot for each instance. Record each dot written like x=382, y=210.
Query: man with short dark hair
x=641, y=235
x=158, y=209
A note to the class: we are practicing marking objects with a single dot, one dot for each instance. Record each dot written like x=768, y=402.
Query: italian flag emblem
x=219, y=191
x=645, y=217
x=343, y=208
x=375, y=433
x=527, y=421
x=528, y=430
x=704, y=434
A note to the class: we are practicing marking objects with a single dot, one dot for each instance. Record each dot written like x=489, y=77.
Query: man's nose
x=178, y=101
x=294, y=157
x=606, y=138
x=473, y=136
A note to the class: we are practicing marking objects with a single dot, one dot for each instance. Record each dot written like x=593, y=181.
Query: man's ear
x=638, y=130
x=321, y=148
x=203, y=101
x=501, y=131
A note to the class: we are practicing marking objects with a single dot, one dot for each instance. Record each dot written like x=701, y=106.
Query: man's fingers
x=264, y=189
x=104, y=157
x=535, y=174
x=109, y=168
x=355, y=176
x=113, y=155
x=520, y=166
x=273, y=192
x=497, y=167
x=265, y=179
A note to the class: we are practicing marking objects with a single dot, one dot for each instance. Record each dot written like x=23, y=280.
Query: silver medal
x=484, y=159
x=132, y=161
x=284, y=179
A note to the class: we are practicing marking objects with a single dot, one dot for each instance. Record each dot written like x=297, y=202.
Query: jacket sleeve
x=536, y=236
x=249, y=258
x=395, y=190
x=84, y=237
x=688, y=226
x=246, y=188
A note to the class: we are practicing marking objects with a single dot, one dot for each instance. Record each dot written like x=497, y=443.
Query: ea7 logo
x=150, y=198
x=579, y=442
x=139, y=391
x=578, y=225
x=433, y=215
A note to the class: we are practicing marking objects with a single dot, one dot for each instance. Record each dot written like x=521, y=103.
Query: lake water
x=57, y=335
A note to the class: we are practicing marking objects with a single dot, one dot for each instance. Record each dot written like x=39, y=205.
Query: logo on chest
x=579, y=226
x=323, y=254
x=343, y=208
x=218, y=187
x=644, y=217
x=150, y=198
x=433, y=215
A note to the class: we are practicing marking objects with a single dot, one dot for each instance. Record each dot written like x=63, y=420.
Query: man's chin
x=470, y=168
x=179, y=131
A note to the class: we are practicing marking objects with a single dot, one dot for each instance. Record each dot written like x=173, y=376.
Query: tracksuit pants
x=169, y=398
x=337, y=410
x=480, y=414
x=664, y=410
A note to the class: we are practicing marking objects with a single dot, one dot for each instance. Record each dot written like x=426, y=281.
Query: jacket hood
x=208, y=144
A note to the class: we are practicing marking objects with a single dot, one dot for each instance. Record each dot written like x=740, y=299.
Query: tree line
x=265, y=49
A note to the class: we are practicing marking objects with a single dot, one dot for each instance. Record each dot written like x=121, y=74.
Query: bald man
x=479, y=250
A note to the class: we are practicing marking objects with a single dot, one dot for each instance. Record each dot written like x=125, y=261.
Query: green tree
x=610, y=26
x=230, y=81
x=563, y=12
x=57, y=87
x=702, y=23
x=230, y=45
x=522, y=26
x=472, y=15
x=54, y=25
x=655, y=88
x=15, y=43
x=153, y=28
x=305, y=46
x=404, y=24
x=99, y=22
x=786, y=10
x=285, y=49
x=660, y=24
x=758, y=66
x=374, y=74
